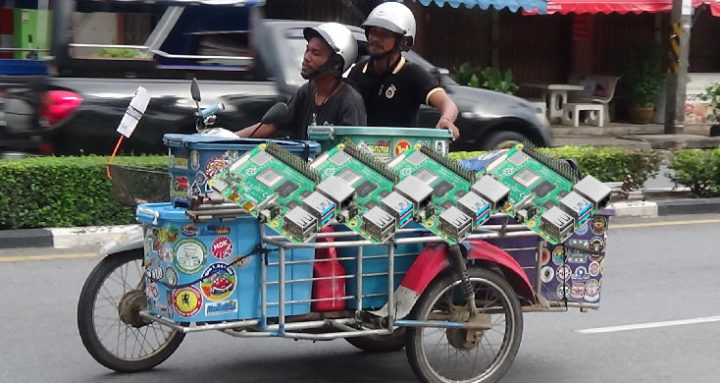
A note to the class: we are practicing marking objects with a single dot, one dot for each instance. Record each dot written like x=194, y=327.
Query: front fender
x=130, y=239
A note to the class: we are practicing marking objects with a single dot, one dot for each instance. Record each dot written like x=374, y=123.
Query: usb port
x=320, y=206
x=557, y=224
x=398, y=206
x=300, y=224
x=378, y=223
x=455, y=224
x=576, y=206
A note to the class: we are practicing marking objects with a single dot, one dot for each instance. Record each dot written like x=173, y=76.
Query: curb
x=62, y=238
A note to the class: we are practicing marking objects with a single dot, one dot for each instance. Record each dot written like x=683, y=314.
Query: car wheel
x=502, y=140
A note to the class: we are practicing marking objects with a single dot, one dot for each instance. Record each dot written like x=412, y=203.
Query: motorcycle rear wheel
x=110, y=329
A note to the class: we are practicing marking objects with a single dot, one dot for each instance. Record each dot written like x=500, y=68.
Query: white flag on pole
x=134, y=112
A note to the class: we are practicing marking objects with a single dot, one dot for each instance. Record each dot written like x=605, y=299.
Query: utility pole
x=680, y=23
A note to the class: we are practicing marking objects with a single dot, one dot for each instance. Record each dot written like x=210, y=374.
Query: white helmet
x=396, y=18
x=340, y=40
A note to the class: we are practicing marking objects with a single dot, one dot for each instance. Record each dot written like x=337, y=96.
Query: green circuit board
x=370, y=178
x=537, y=183
x=447, y=179
x=268, y=182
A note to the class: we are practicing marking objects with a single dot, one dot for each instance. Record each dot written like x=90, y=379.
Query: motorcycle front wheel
x=107, y=316
x=481, y=355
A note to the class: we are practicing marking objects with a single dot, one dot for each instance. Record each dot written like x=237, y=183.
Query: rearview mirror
x=275, y=114
x=195, y=90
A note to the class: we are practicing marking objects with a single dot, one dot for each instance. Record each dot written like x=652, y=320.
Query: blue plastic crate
x=375, y=260
x=179, y=251
x=195, y=159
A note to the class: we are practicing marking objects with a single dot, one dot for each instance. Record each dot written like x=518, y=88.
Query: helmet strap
x=329, y=66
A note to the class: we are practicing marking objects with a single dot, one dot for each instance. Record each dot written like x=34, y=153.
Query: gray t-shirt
x=344, y=108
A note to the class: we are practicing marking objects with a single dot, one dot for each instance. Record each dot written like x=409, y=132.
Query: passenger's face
x=380, y=40
x=317, y=53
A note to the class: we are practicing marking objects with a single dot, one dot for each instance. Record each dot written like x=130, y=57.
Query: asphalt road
x=660, y=282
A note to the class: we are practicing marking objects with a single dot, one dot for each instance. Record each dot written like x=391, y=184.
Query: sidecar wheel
x=110, y=329
x=440, y=355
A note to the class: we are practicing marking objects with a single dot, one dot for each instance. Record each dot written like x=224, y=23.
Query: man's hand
x=446, y=123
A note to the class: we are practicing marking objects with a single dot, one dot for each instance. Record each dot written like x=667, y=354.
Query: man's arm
x=266, y=130
x=439, y=100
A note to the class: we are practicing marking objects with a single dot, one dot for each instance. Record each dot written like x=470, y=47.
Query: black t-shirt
x=344, y=108
x=394, y=97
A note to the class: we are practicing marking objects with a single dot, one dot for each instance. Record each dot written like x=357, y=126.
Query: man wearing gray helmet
x=326, y=99
x=393, y=88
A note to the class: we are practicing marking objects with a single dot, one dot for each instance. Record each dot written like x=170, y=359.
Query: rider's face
x=317, y=53
x=380, y=40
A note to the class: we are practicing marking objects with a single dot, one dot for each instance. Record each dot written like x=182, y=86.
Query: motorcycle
x=442, y=303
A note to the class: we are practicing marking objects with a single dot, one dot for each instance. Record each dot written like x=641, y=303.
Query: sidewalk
x=658, y=198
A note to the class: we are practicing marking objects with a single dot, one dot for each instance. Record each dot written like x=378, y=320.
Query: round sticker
x=190, y=255
x=187, y=301
x=200, y=178
x=218, y=281
x=562, y=291
x=582, y=229
x=401, y=146
x=214, y=166
x=169, y=233
x=592, y=291
x=545, y=256
x=597, y=244
x=189, y=230
x=594, y=269
x=222, y=247
x=195, y=160
x=171, y=276
x=563, y=273
x=580, y=273
x=598, y=225
x=166, y=253
x=546, y=274
x=577, y=291
x=558, y=255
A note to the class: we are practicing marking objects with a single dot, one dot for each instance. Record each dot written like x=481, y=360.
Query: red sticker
x=222, y=247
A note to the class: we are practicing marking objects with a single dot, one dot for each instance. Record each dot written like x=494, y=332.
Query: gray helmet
x=396, y=18
x=339, y=38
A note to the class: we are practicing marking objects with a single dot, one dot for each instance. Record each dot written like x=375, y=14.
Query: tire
x=492, y=351
x=505, y=139
x=380, y=343
x=136, y=348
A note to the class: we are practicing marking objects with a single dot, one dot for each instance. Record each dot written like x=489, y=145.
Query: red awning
x=619, y=6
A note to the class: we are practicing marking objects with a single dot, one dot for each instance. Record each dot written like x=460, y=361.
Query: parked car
x=78, y=108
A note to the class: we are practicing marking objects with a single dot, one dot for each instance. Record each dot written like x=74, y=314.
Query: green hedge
x=697, y=169
x=607, y=164
x=62, y=191
x=74, y=191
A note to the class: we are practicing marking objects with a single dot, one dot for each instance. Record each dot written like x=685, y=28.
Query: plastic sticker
x=195, y=160
x=190, y=255
x=577, y=290
x=547, y=274
x=598, y=225
x=545, y=256
x=580, y=274
x=218, y=281
x=562, y=291
x=171, y=276
x=592, y=291
x=214, y=166
x=582, y=229
x=224, y=307
x=563, y=273
x=189, y=230
x=558, y=255
x=401, y=146
x=222, y=247
x=594, y=269
x=187, y=301
x=597, y=244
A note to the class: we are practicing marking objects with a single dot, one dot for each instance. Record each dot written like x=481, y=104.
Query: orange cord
x=110, y=160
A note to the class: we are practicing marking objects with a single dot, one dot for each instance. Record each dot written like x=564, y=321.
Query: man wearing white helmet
x=393, y=88
x=326, y=99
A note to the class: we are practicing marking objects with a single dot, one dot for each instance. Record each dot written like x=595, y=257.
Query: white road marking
x=641, y=326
